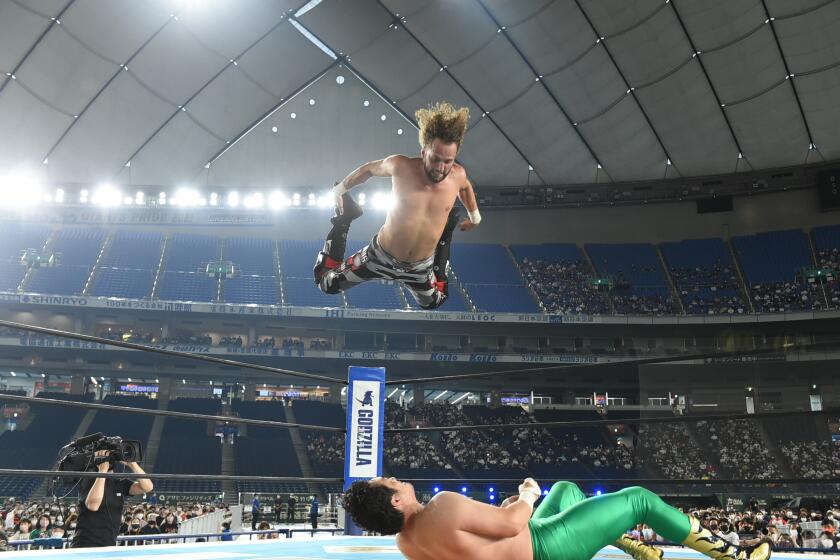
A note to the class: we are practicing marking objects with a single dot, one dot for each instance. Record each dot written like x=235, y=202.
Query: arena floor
x=318, y=548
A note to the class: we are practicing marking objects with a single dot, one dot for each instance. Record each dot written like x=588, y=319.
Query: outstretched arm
x=467, y=196
x=379, y=168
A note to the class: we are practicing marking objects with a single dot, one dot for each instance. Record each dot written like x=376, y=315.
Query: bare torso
x=434, y=534
x=416, y=221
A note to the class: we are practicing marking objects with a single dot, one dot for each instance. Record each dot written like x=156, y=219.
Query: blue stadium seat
x=376, y=294
x=251, y=256
x=61, y=279
x=482, y=263
x=134, y=250
x=17, y=237
x=773, y=264
x=78, y=246
x=251, y=289
x=774, y=256
x=640, y=285
x=705, y=276
x=188, y=286
x=205, y=454
x=191, y=253
x=298, y=257
x=11, y=274
x=303, y=292
x=561, y=277
x=505, y=299
x=123, y=283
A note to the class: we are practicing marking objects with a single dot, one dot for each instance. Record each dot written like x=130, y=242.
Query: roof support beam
x=122, y=68
x=545, y=87
x=231, y=143
x=630, y=88
x=699, y=57
x=183, y=107
x=443, y=67
x=790, y=76
x=55, y=21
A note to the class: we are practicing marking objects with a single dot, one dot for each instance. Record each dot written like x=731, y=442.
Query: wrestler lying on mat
x=413, y=244
x=566, y=525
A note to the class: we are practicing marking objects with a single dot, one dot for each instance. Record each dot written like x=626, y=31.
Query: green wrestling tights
x=568, y=526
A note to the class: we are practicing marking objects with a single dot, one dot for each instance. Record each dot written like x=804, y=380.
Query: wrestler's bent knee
x=329, y=287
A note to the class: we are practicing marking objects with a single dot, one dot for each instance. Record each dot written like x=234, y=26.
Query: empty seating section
x=561, y=277
x=36, y=446
x=204, y=456
x=827, y=247
x=15, y=239
x=60, y=279
x=704, y=276
x=185, y=275
x=188, y=286
x=129, y=426
x=251, y=256
x=133, y=249
x=319, y=413
x=123, y=283
x=76, y=251
x=251, y=289
x=255, y=279
x=191, y=253
x=490, y=278
x=296, y=261
x=127, y=269
x=639, y=283
x=773, y=264
x=376, y=294
x=263, y=451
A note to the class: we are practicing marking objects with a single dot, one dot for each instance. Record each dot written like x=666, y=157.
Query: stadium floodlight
x=324, y=201
x=277, y=200
x=83, y=196
x=20, y=189
x=140, y=197
x=310, y=200
x=59, y=196
x=214, y=199
x=107, y=195
x=187, y=196
x=233, y=199
x=254, y=200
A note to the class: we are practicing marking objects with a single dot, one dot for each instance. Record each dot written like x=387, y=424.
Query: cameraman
x=100, y=512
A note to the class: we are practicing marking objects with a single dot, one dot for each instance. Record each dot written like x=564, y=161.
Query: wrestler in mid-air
x=413, y=244
x=566, y=525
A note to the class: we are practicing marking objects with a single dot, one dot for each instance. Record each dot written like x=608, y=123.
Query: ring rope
x=455, y=428
x=606, y=422
x=128, y=474
x=326, y=480
x=172, y=413
x=165, y=352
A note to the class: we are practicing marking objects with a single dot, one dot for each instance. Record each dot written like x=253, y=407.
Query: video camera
x=78, y=455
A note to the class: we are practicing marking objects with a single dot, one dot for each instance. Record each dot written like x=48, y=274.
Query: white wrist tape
x=475, y=216
x=529, y=496
x=339, y=190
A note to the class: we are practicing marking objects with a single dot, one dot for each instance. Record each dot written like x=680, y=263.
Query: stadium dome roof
x=253, y=93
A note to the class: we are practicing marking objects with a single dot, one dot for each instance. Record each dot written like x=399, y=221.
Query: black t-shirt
x=100, y=528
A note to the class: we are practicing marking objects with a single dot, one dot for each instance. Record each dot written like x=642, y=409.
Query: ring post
x=365, y=426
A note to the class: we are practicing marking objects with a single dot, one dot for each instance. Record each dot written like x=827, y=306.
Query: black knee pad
x=434, y=304
x=329, y=287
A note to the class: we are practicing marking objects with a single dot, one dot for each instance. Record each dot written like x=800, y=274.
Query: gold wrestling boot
x=704, y=541
x=637, y=549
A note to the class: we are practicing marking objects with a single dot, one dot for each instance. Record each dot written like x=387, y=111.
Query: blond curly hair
x=442, y=121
